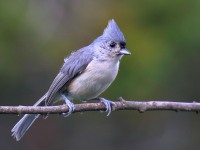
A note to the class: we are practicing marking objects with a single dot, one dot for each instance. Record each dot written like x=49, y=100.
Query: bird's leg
x=108, y=104
x=70, y=105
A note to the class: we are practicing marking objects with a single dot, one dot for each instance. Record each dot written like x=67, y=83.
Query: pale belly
x=93, y=81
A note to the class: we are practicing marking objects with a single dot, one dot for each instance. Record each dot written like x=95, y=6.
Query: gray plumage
x=85, y=74
x=26, y=121
x=72, y=67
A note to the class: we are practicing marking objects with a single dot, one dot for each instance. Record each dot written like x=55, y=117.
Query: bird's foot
x=108, y=104
x=70, y=105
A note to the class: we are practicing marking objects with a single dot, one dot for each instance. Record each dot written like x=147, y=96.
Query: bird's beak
x=124, y=51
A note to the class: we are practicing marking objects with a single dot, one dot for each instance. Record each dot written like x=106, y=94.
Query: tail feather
x=23, y=125
x=26, y=121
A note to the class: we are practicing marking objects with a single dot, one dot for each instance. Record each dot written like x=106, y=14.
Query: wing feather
x=73, y=65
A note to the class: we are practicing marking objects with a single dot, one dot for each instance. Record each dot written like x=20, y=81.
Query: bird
x=85, y=74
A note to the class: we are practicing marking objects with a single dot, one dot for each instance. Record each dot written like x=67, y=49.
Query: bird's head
x=112, y=42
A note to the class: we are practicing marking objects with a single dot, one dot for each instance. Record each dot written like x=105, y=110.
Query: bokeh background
x=164, y=38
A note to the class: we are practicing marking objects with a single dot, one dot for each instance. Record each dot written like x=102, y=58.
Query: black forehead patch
x=122, y=44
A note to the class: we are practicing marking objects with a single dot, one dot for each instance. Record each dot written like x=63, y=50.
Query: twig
x=140, y=106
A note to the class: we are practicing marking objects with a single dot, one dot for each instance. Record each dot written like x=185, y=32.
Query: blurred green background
x=164, y=38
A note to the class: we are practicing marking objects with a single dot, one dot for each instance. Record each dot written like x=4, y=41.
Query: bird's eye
x=113, y=44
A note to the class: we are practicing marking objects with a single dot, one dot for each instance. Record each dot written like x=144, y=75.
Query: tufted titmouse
x=85, y=74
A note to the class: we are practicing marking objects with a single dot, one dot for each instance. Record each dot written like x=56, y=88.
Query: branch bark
x=122, y=104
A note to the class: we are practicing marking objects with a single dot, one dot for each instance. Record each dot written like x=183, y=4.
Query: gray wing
x=73, y=66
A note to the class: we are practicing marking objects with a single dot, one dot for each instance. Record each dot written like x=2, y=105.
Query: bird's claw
x=71, y=107
x=108, y=104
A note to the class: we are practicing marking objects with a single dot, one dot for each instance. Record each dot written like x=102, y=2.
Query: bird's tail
x=26, y=121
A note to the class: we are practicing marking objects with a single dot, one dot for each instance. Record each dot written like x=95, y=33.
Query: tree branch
x=120, y=105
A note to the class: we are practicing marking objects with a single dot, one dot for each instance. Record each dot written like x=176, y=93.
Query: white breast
x=96, y=78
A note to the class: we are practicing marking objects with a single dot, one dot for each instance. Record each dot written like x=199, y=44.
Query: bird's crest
x=111, y=33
